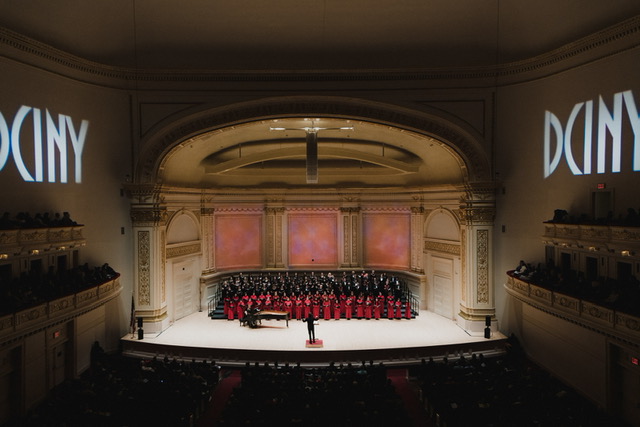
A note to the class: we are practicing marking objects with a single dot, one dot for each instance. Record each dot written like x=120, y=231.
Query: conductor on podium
x=310, y=319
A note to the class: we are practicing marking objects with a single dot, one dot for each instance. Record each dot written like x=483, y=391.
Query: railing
x=588, y=314
x=41, y=315
x=31, y=241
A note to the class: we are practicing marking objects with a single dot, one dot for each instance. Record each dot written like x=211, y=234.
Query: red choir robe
x=359, y=308
x=326, y=309
x=348, y=313
x=398, y=309
x=298, y=309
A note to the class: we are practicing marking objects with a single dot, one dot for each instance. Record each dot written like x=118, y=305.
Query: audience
x=37, y=287
x=618, y=294
x=346, y=395
x=630, y=218
x=25, y=220
x=121, y=391
x=506, y=391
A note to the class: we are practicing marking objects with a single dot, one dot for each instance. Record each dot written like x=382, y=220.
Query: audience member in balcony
x=6, y=223
x=66, y=220
x=632, y=218
x=521, y=269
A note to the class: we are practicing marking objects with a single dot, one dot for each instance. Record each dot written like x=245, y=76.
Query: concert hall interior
x=447, y=186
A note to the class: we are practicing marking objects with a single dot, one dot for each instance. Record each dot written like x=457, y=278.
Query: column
x=274, y=253
x=350, y=220
x=477, y=211
x=208, y=240
x=417, y=238
x=149, y=235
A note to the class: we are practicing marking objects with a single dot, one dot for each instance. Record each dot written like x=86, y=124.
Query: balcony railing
x=42, y=315
x=30, y=241
x=605, y=320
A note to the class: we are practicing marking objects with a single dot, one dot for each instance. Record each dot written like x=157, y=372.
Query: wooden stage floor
x=395, y=341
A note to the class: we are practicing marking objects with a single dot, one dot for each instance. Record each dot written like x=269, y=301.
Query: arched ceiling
x=259, y=154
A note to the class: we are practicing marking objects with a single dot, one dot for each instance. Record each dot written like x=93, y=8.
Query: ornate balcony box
x=566, y=303
x=86, y=297
x=628, y=324
x=7, y=324
x=61, y=305
x=541, y=294
x=31, y=316
x=21, y=242
x=597, y=314
x=106, y=289
x=518, y=286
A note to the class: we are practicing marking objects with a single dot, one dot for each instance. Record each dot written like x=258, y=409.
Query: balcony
x=606, y=320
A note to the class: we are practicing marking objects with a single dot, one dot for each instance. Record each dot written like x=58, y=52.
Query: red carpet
x=230, y=380
x=409, y=396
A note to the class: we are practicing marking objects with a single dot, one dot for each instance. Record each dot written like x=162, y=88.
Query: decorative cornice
x=448, y=248
x=177, y=251
x=350, y=210
x=148, y=216
x=588, y=47
x=274, y=211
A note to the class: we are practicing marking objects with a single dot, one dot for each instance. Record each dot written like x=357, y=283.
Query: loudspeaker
x=487, y=332
x=312, y=157
x=140, y=333
x=487, y=321
x=139, y=322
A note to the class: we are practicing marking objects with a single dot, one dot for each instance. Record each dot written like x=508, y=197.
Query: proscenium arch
x=458, y=137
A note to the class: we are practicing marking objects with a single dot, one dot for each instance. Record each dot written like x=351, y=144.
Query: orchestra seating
x=506, y=390
x=121, y=391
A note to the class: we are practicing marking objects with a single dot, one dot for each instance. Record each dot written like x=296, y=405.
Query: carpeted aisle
x=409, y=395
x=219, y=398
x=399, y=378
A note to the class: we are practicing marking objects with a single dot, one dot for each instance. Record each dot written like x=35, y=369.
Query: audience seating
x=505, y=391
x=121, y=391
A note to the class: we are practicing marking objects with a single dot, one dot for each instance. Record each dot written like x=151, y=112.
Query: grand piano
x=253, y=318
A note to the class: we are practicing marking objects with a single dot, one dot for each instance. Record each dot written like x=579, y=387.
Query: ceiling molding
x=615, y=39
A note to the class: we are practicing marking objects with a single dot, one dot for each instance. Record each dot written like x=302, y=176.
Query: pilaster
x=350, y=220
x=417, y=238
x=149, y=234
x=208, y=240
x=274, y=219
x=477, y=211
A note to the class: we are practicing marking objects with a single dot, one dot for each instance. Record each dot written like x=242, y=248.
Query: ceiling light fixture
x=312, y=147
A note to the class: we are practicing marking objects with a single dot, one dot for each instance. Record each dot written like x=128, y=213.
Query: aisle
x=230, y=379
x=409, y=395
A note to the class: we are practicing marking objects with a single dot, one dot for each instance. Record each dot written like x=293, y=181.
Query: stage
x=397, y=341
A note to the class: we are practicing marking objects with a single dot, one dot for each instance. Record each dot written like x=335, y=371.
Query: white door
x=442, y=269
x=443, y=296
x=184, y=289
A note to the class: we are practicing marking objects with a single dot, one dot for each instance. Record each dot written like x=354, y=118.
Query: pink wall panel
x=313, y=240
x=238, y=241
x=387, y=240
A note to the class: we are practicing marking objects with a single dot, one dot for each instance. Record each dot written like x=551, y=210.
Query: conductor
x=310, y=327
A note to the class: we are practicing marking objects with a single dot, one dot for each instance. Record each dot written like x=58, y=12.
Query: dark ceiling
x=309, y=34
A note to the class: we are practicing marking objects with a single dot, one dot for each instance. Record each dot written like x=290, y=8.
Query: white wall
x=106, y=161
x=526, y=199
